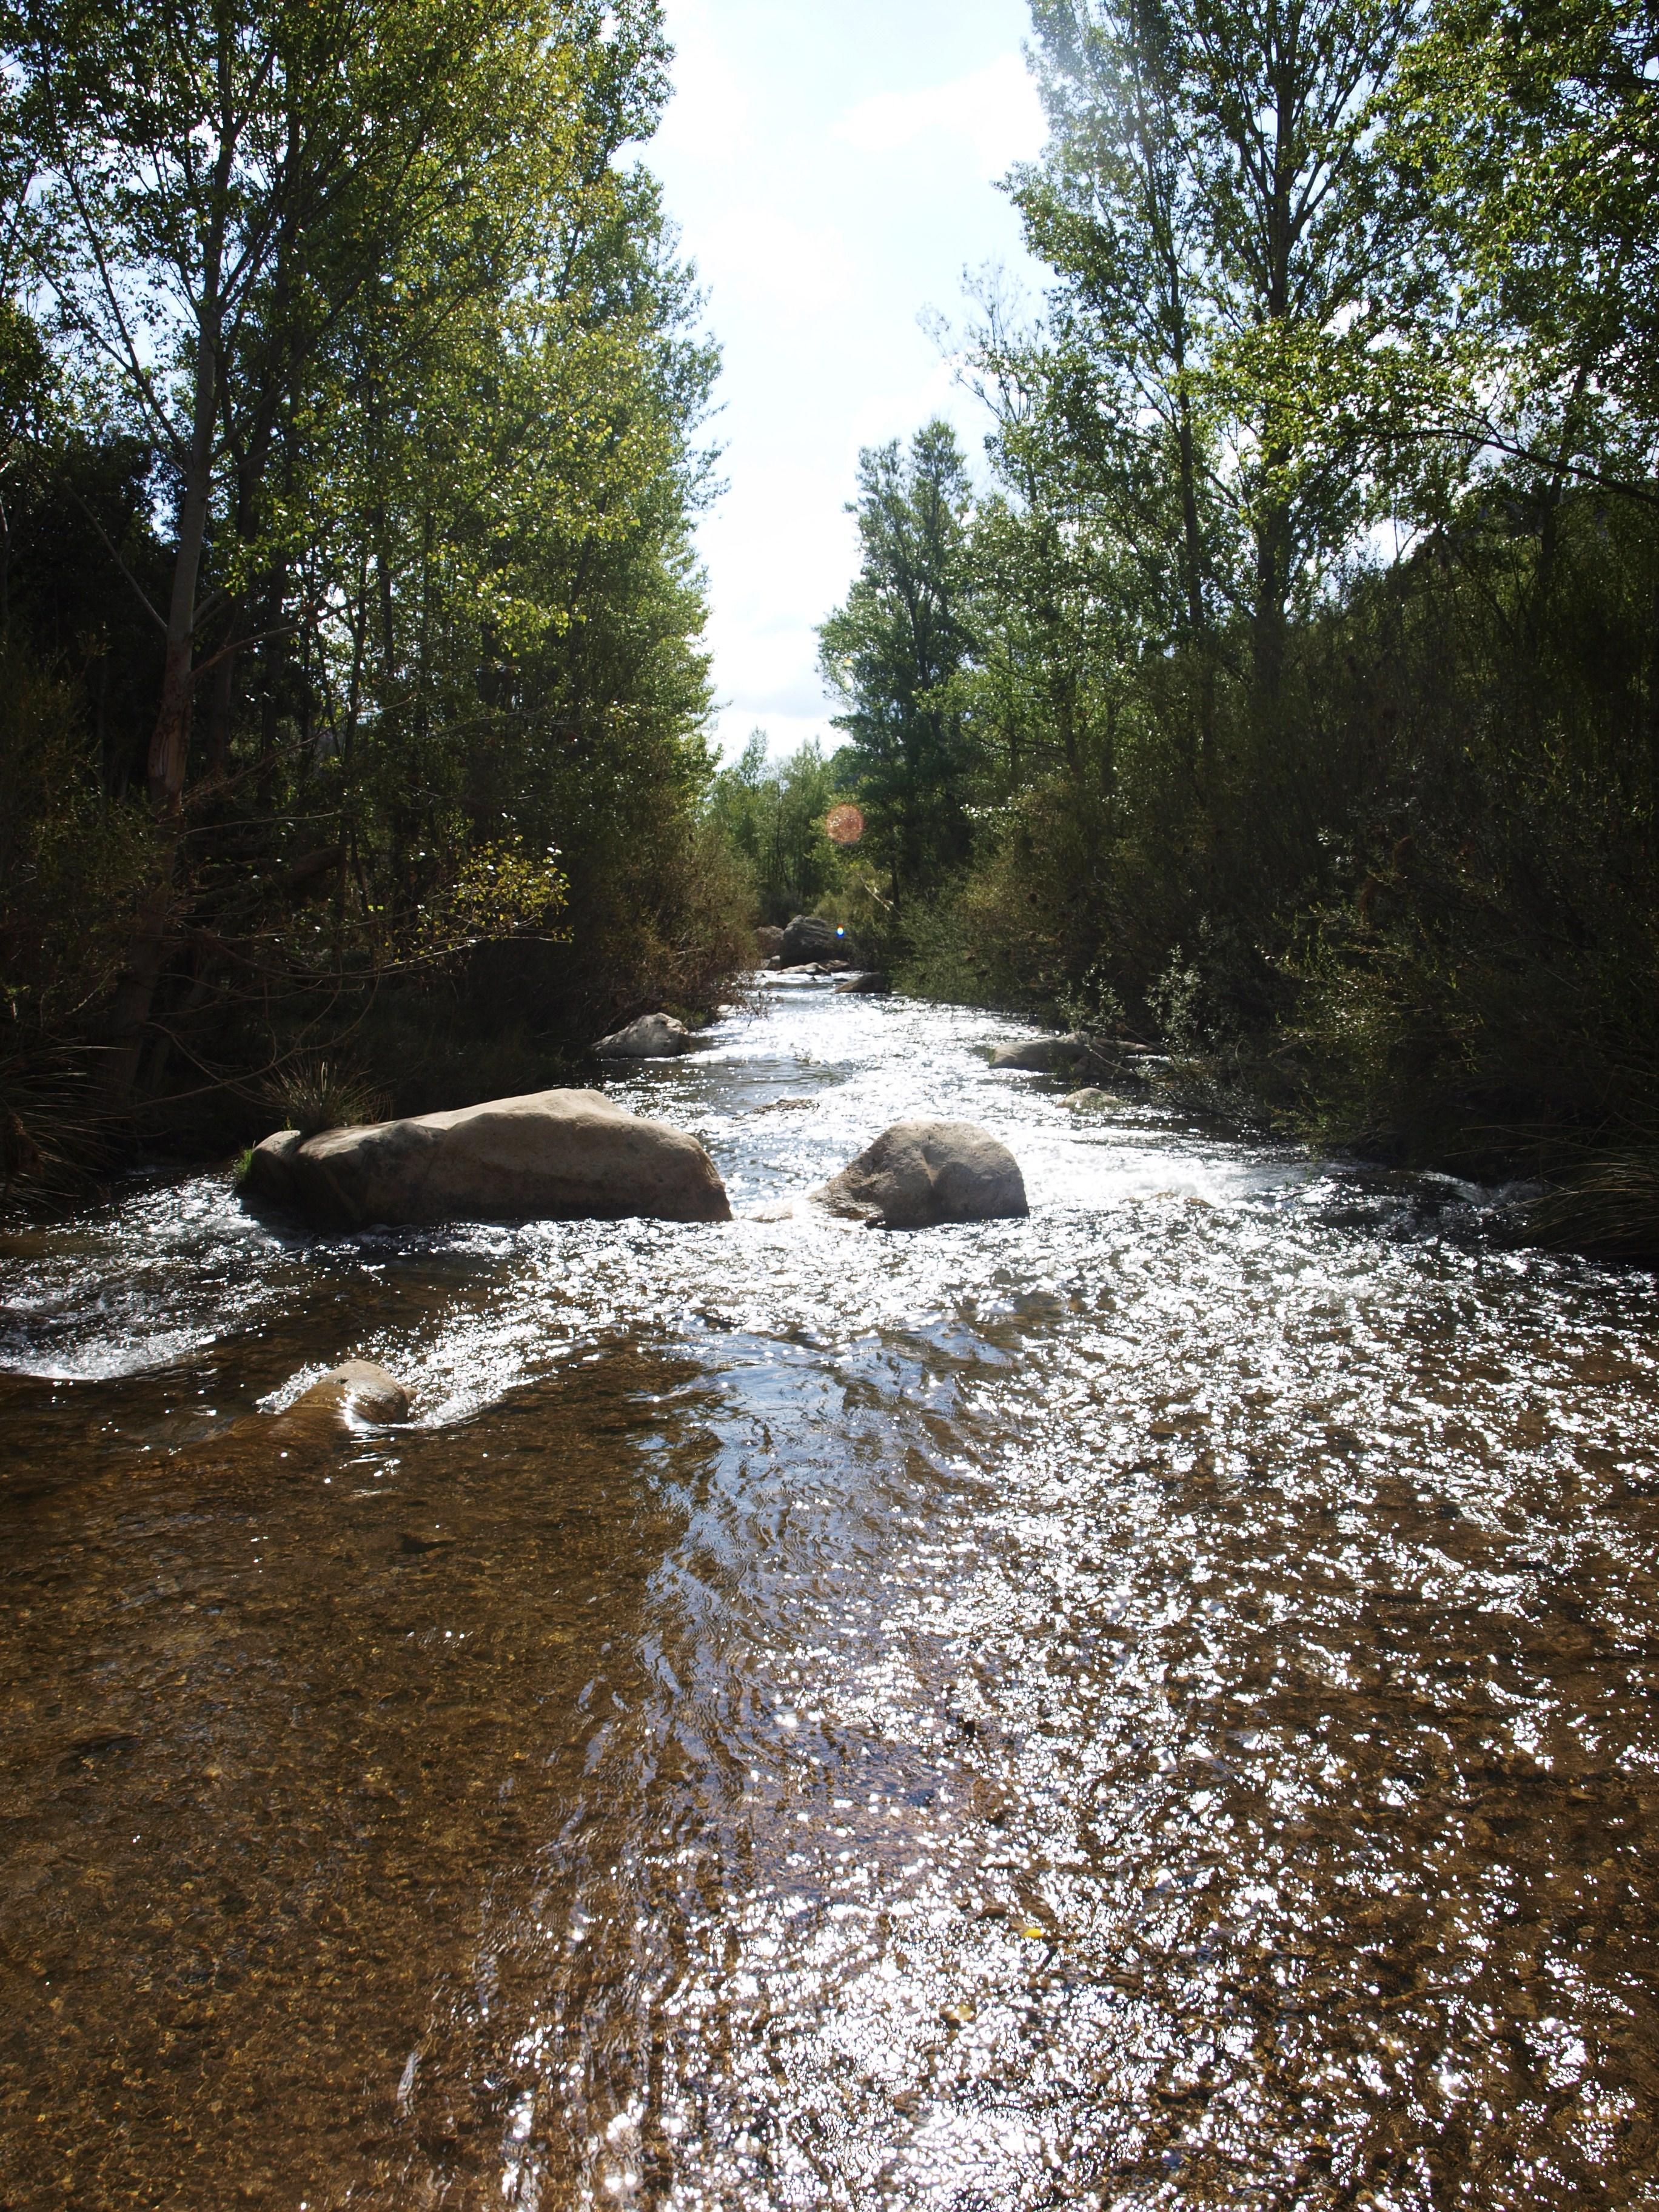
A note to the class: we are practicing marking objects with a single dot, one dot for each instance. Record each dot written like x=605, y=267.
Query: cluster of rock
x=578, y=1155
x=810, y=945
x=810, y=940
x=565, y=1155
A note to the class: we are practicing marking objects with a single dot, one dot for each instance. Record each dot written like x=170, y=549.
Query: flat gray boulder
x=1041, y=1055
x=552, y=1155
x=654, y=1036
x=918, y=1173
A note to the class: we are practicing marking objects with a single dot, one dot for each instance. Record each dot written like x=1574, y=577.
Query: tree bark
x=151, y=942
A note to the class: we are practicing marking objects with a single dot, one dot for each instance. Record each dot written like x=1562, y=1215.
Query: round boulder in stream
x=810, y=937
x=356, y=1394
x=654, y=1036
x=918, y=1173
x=553, y=1154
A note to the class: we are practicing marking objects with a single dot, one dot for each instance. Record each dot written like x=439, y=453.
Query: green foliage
x=317, y=1092
x=70, y=861
x=894, y=651
x=352, y=470
x=772, y=816
x=1359, y=821
x=1532, y=135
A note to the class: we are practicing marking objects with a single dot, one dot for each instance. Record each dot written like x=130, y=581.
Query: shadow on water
x=1148, y=1706
x=297, y=1752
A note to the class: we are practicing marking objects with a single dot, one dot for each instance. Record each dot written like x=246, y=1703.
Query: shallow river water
x=1150, y=1705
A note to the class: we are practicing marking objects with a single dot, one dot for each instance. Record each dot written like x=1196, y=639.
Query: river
x=1148, y=1705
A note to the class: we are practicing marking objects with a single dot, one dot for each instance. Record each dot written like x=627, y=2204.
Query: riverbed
x=1147, y=1705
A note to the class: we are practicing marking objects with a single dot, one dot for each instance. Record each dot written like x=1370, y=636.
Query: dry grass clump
x=1610, y=1210
x=314, y=1092
x=55, y=1138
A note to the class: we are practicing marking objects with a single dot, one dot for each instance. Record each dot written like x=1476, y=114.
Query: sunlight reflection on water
x=1149, y=1705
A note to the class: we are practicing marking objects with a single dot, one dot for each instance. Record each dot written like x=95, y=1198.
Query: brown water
x=1147, y=1706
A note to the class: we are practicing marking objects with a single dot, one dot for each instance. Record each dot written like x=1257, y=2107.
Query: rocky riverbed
x=1146, y=1705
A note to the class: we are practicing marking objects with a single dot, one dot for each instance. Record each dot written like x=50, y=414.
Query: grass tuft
x=1610, y=1210
x=315, y=1093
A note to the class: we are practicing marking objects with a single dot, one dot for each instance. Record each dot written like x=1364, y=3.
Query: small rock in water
x=654, y=1036
x=872, y=984
x=1089, y=1102
x=357, y=1392
x=918, y=1173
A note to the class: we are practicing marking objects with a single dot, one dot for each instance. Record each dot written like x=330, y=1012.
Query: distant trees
x=771, y=814
x=894, y=651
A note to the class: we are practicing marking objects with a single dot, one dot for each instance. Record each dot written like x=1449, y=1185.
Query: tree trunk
x=148, y=946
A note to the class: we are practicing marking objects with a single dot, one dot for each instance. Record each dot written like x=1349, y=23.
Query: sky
x=832, y=168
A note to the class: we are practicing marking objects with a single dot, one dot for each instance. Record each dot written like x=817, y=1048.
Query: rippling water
x=1150, y=1705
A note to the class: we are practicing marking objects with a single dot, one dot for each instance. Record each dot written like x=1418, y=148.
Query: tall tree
x=221, y=192
x=1533, y=136
x=1213, y=203
x=893, y=651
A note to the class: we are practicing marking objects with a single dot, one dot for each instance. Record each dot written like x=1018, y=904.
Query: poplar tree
x=278, y=244
x=893, y=651
x=1214, y=206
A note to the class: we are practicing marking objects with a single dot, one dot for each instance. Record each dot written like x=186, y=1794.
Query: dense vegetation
x=1293, y=696
x=350, y=733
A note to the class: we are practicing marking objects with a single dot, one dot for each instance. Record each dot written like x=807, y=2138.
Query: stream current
x=1148, y=1705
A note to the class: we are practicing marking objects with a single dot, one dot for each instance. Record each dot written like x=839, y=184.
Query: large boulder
x=1041, y=1055
x=654, y=1036
x=808, y=937
x=920, y=1173
x=872, y=984
x=555, y=1155
x=769, y=937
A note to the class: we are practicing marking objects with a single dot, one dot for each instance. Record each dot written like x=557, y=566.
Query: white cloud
x=804, y=268
x=995, y=112
x=711, y=119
